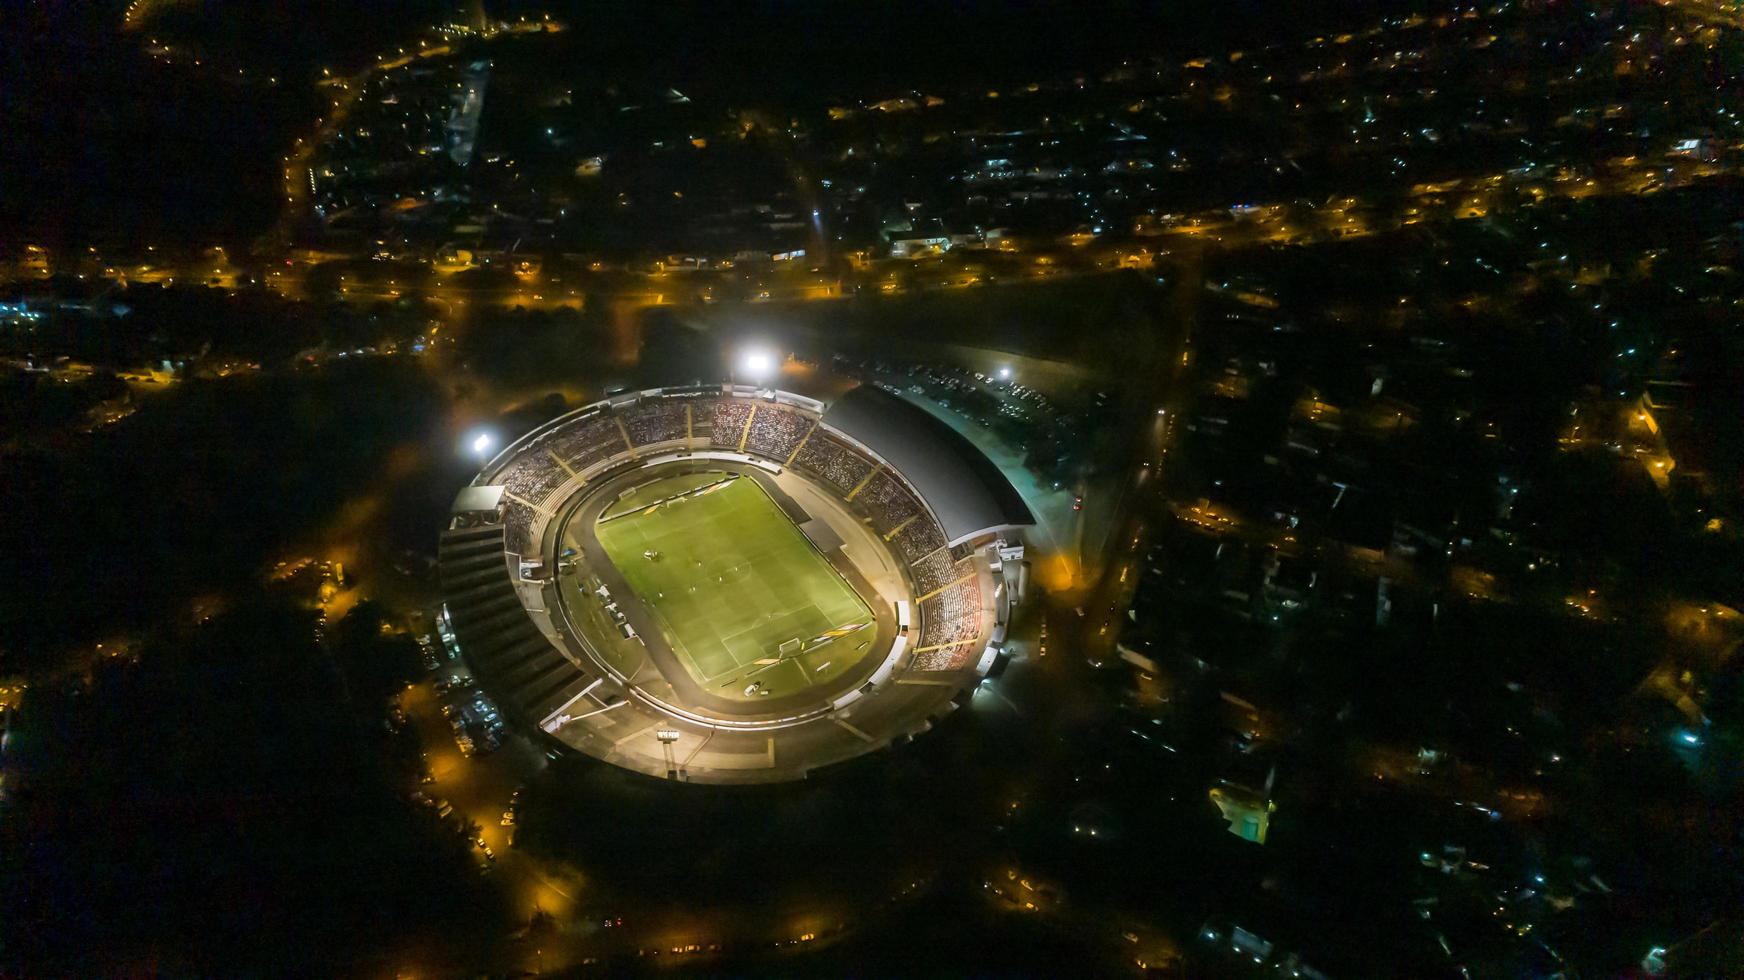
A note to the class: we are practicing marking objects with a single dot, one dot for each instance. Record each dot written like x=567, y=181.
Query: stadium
x=733, y=584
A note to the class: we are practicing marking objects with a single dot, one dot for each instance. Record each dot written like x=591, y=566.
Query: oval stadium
x=731, y=584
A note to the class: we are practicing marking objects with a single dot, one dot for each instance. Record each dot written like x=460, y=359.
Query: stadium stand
x=528, y=478
x=531, y=476
x=919, y=539
x=775, y=430
x=950, y=620
x=935, y=571
x=585, y=442
x=962, y=488
x=518, y=528
x=729, y=421
x=832, y=459
x=496, y=637
x=889, y=502
x=654, y=420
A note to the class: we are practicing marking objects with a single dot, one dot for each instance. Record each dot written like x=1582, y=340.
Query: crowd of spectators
x=889, y=502
x=585, y=442
x=655, y=420
x=832, y=459
x=949, y=621
x=935, y=571
x=531, y=476
x=518, y=528
x=775, y=430
x=919, y=539
x=730, y=416
x=533, y=473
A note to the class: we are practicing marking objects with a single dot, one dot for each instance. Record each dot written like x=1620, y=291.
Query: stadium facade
x=923, y=527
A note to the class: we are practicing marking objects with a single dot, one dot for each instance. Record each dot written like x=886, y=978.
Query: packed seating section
x=933, y=572
x=832, y=459
x=531, y=476
x=518, y=528
x=889, y=502
x=775, y=431
x=951, y=620
x=919, y=539
x=730, y=415
x=586, y=441
x=655, y=420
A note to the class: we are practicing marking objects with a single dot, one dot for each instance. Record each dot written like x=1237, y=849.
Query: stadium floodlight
x=481, y=443
x=758, y=365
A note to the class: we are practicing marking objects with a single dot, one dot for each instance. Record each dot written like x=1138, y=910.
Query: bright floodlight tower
x=757, y=365
x=733, y=583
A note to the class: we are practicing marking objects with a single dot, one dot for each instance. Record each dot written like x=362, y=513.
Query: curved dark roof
x=962, y=486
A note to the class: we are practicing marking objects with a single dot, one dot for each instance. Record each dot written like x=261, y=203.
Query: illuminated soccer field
x=741, y=594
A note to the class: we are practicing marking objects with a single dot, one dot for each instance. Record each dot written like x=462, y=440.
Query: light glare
x=758, y=365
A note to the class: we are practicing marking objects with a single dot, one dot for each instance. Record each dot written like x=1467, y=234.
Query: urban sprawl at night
x=997, y=489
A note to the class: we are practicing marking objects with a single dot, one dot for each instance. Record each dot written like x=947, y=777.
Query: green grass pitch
x=666, y=486
x=735, y=579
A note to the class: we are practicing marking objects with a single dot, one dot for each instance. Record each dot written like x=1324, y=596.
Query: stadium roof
x=477, y=500
x=962, y=486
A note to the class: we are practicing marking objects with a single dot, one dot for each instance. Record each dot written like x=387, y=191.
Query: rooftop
x=959, y=484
